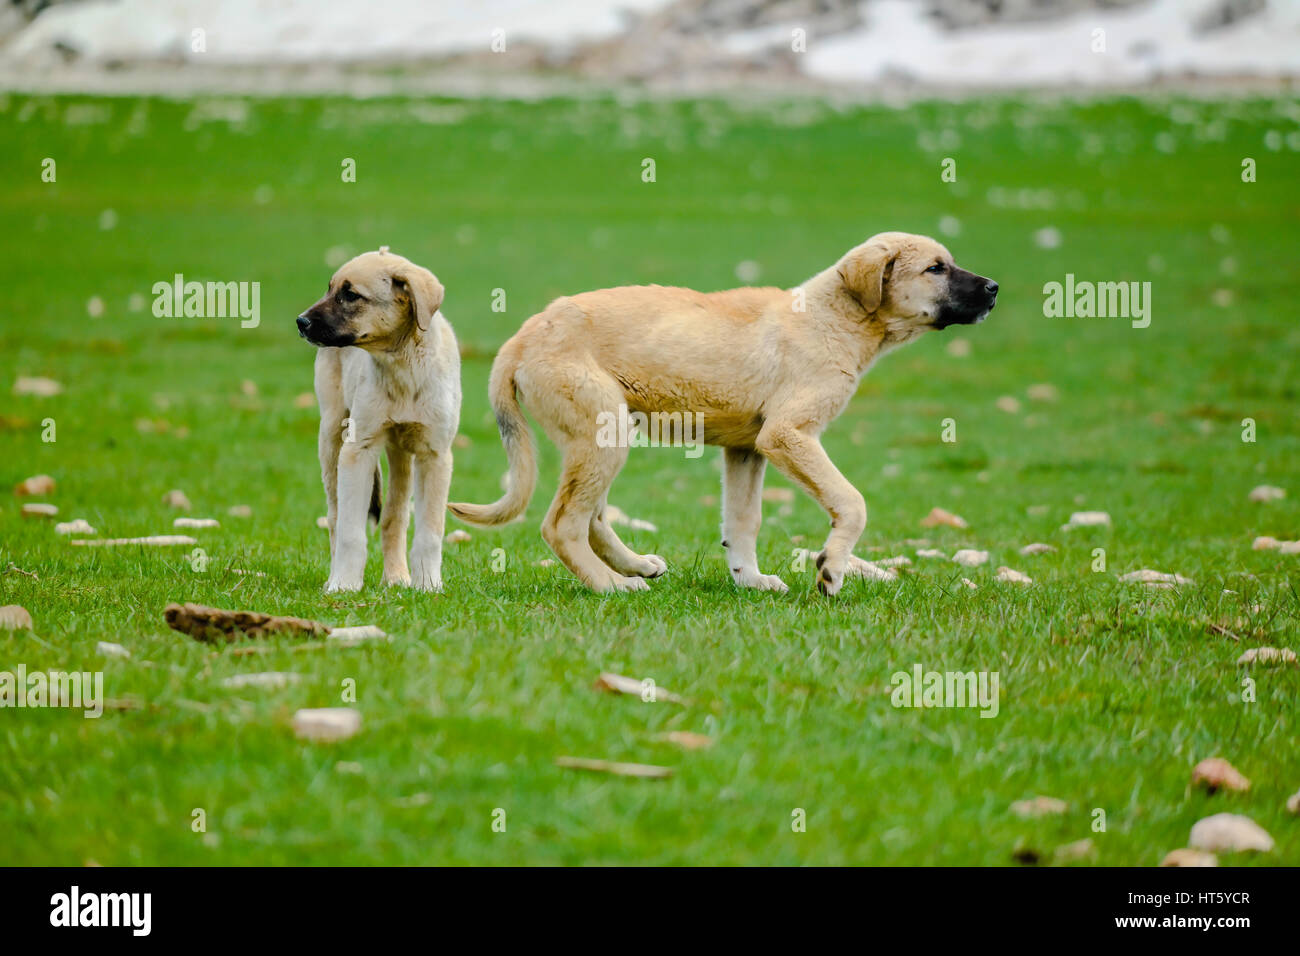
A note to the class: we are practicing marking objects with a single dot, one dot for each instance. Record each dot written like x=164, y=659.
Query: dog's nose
x=991, y=287
x=303, y=322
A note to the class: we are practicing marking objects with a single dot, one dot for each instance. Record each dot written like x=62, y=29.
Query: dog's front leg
x=800, y=457
x=432, y=482
x=356, y=476
x=742, y=514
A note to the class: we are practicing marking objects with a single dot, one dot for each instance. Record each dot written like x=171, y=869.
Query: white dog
x=387, y=376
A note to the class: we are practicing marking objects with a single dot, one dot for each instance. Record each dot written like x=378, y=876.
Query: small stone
x=1043, y=392
x=352, y=635
x=1078, y=850
x=1011, y=576
x=37, y=385
x=457, y=537
x=304, y=400
x=1008, y=403
x=1266, y=493
x=1086, y=519
x=240, y=511
x=268, y=680
x=931, y=553
x=35, y=486
x=176, y=499
x=1293, y=803
x=109, y=649
x=79, y=526
x=778, y=494
x=1229, y=832
x=1189, y=858
x=14, y=617
x=1039, y=807
x=40, y=511
x=958, y=348
x=327, y=723
x=968, y=583
x=1037, y=548
x=323, y=522
x=1157, y=579
x=196, y=523
x=1216, y=774
x=1264, y=543
x=970, y=558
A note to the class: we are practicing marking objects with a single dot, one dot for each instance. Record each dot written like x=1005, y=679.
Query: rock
x=1267, y=655
x=40, y=511
x=939, y=516
x=327, y=723
x=1086, y=519
x=79, y=526
x=1039, y=807
x=1216, y=774
x=970, y=558
x=196, y=523
x=1189, y=858
x=457, y=537
x=176, y=499
x=1037, y=548
x=1229, y=832
x=109, y=649
x=1011, y=576
x=14, y=617
x=35, y=486
x=1266, y=493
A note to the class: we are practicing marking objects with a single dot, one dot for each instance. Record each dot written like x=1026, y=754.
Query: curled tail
x=521, y=449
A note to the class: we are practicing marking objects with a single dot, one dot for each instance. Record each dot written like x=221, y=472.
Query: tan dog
x=387, y=377
x=767, y=369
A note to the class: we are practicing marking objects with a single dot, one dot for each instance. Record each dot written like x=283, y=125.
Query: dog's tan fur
x=769, y=369
x=394, y=385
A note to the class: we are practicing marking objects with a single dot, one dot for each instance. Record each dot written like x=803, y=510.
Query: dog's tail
x=521, y=449
x=376, y=497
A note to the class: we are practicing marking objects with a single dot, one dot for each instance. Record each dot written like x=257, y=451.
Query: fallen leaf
x=970, y=558
x=1229, y=832
x=778, y=494
x=1008, y=404
x=14, y=617
x=1189, y=858
x=267, y=680
x=457, y=537
x=616, y=515
x=40, y=511
x=240, y=511
x=1039, y=807
x=304, y=400
x=858, y=568
x=326, y=723
x=939, y=516
x=968, y=583
x=323, y=522
x=647, y=690
x=931, y=553
x=1086, y=519
x=354, y=635
x=109, y=649
x=1293, y=803
x=1043, y=392
x=212, y=624
x=35, y=486
x=1216, y=774
x=619, y=769
x=687, y=740
x=1266, y=493
x=1078, y=850
x=1157, y=579
x=1267, y=655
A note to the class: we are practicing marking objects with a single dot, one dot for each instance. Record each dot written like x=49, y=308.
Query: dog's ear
x=865, y=270
x=424, y=292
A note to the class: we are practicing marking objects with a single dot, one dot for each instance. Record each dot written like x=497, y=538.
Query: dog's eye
x=348, y=295
x=937, y=268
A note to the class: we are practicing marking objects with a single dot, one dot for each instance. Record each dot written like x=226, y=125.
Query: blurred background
x=852, y=47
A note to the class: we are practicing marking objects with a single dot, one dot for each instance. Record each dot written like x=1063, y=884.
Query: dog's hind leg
x=395, y=517
x=611, y=549
x=742, y=514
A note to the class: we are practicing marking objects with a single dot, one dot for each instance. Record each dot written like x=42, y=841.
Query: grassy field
x=1110, y=692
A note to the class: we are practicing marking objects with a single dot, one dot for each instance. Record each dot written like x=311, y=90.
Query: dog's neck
x=864, y=335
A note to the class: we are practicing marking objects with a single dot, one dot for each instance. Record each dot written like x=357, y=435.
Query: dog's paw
x=402, y=580
x=654, y=566
x=340, y=585
x=829, y=580
x=426, y=581
x=621, y=583
x=748, y=578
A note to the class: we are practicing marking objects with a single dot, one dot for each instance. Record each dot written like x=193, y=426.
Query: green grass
x=1110, y=692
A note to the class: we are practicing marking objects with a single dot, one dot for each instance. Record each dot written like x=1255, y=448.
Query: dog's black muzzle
x=970, y=299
